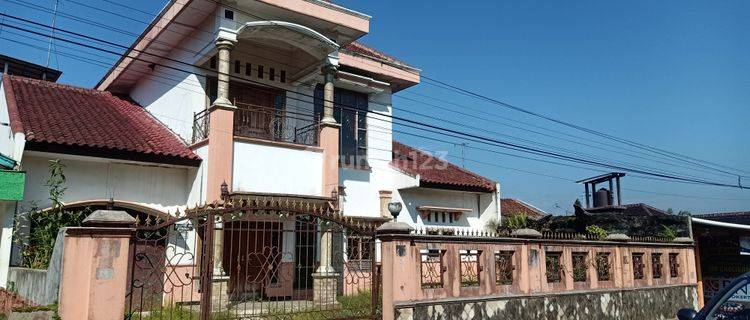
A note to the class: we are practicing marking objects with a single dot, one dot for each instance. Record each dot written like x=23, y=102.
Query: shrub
x=516, y=221
x=596, y=231
x=668, y=232
x=43, y=225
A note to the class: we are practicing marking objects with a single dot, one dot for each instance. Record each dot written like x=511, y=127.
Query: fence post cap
x=112, y=218
x=393, y=227
x=683, y=240
x=526, y=233
x=617, y=237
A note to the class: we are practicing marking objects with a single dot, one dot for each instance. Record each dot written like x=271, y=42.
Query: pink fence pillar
x=95, y=267
x=397, y=260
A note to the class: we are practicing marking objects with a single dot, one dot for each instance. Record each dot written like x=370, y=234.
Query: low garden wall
x=40, y=286
x=485, y=277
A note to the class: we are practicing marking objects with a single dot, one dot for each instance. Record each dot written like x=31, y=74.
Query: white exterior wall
x=158, y=187
x=483, y=207
x=363, y=186
x=271, y=169
x=197, y=186
x=173, y=96
x=11, y=145
x=7, y=215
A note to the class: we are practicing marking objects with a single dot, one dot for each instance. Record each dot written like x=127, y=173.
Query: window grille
x=638, y=265
x=554, y=266
x=432, y=268
x=580, y=268
x=504, y=267
x=470, y=267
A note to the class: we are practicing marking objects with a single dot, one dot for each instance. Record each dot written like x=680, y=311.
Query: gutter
x=720, y=224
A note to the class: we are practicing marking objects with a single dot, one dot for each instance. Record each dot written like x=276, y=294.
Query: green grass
x=358, y=306
x=177, y=313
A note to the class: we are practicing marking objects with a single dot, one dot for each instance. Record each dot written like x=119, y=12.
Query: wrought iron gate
x=254, y=258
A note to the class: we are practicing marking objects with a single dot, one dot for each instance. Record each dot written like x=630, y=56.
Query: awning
x=12, y=185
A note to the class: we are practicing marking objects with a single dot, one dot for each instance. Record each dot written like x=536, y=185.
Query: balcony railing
x=200, y=125
x=275, y=124
x=259, y=122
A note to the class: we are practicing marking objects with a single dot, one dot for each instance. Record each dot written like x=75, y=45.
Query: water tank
x=602, y=198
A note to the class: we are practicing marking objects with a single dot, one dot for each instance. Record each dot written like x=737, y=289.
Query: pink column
x=400, y=277
x=329, y=142
x=95, y=267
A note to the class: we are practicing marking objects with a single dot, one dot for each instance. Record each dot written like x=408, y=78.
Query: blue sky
x=671, y=74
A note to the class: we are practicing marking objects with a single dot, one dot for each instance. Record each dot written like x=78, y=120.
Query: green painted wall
x=11, y=185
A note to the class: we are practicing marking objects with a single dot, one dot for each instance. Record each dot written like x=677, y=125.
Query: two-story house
x=236, y=100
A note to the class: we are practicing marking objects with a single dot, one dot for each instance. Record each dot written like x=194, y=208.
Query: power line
x=463, y=158
x=451, y=132
x=628, y=153
x=237, y=9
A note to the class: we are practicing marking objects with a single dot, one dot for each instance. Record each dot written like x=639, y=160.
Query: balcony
x=265, y=123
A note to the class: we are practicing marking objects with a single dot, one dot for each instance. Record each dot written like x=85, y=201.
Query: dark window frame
x=350, y=111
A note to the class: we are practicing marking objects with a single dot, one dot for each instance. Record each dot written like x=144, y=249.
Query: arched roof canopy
x=292, y=34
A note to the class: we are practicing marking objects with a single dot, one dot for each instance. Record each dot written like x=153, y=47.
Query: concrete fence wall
x=425, y=275
x=40, y=286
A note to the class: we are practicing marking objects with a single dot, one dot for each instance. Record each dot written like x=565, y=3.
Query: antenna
x=463, y=154
x=52, y=34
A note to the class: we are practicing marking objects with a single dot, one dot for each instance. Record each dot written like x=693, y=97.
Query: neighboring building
x=440, y=195
x=723, y=249
x=13, y=66
x=111, y=148
x=12, y=180
x=509, y=206
x=246, y=112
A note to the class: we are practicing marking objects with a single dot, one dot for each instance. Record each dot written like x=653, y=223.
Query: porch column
x=329, y=134
x=221, y=156
x=325, y=278
x=222, y=89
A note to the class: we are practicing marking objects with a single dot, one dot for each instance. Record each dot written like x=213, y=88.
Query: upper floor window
x=228, y=14
x=350, y=111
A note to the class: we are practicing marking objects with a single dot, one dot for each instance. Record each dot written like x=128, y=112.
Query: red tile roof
x=360, y=48
x=437, y=173
x=66, y=119
x=510, y=206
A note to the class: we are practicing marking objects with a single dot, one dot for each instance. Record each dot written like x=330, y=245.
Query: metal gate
x=254, y=258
